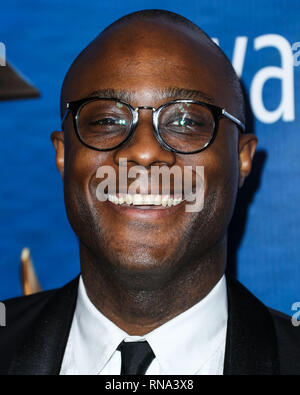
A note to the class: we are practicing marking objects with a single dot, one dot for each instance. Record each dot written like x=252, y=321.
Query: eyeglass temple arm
x=233, y=119
x=66, y=113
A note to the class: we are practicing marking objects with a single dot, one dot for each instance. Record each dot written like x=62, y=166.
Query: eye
x=108, y=122
x=184, y=122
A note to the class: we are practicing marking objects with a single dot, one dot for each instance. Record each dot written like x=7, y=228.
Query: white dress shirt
x=192, y=343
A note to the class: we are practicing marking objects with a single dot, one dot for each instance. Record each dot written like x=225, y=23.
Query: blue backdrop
x=261, y=37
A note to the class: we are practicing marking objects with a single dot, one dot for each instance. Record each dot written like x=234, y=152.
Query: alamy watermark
x=2, y=314
x=160, y=185
x=2, y=54
x=296, y=315
x=296, y=53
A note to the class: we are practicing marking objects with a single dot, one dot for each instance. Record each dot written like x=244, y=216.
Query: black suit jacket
x=259, y=341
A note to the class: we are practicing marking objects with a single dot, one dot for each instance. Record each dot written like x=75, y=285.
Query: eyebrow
x=165, y=93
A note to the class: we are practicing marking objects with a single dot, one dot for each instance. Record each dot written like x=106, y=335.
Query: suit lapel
x=251, y=345
x=42, y=353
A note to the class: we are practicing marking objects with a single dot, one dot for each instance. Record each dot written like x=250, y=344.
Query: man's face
x=143, y=60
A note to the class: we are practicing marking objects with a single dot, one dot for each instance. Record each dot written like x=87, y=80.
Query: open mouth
x=145, y=207
x=143, y=200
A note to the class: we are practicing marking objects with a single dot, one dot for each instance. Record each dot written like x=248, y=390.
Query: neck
x=138, y=310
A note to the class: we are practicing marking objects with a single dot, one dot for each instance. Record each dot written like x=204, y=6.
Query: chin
x=140, y=268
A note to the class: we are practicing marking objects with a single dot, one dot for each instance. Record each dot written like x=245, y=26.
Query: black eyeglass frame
x=75, y=107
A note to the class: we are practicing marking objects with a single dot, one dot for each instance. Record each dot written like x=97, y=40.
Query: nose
x=143, y=149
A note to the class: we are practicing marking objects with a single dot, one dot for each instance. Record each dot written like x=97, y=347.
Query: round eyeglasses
x=181, y=126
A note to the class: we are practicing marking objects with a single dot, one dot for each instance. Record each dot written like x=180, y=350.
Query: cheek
x=221, y=171
x=81, y=165
x=222, y=175
x=220, y=167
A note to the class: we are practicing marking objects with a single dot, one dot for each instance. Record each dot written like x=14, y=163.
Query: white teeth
x=164, y=200
x=157, y=200
x=170, y=202
x=137, y=200
x=113, y=199
x=146, y=200
x=121, y=200
x=177, y=201
x=128, y=199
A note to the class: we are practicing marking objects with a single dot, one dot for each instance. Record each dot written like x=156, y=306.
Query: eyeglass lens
x=185, y=127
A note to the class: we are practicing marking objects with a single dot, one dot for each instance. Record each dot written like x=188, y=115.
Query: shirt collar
x=94, y=336
x=181, y=345
x=185, y=343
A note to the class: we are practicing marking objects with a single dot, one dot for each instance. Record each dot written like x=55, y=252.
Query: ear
x=247, y=146
x=57, y=139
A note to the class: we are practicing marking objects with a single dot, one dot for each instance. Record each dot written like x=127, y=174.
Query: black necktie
x=136, y=357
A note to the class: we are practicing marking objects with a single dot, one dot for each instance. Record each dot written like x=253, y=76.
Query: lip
x=146, y=212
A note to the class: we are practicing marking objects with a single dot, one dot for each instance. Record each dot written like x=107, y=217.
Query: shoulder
x=259, y=328
x=21, y=314
x=16, y=307
x=21, y=311
x=284, y=323
x=288, y=339
x=286, y=330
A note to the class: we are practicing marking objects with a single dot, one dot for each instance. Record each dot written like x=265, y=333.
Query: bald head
x=142, y=31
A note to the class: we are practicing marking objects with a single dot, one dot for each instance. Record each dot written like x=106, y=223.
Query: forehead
x=147, y=57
